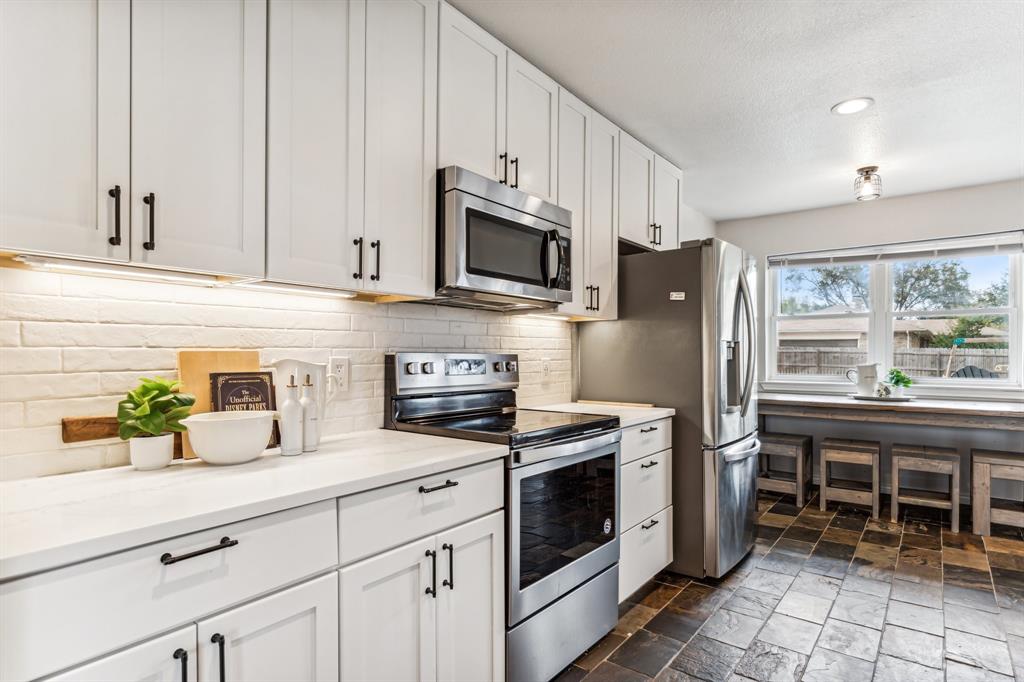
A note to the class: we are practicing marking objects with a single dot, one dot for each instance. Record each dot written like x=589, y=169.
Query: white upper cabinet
x=532, y=129
x=198, y=134
x=168, y=658
x=290, y=635
x=64, y=127
x=400, y=146
x=471, y=123
x=603, y=217
x=573, y=184
x=668, y=197
x=314, y=142
x=636, y=190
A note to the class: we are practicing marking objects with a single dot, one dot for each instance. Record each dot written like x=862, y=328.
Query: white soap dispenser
x=310, y=421
x=291, y=420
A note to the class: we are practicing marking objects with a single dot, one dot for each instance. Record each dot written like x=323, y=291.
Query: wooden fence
x=916, y=362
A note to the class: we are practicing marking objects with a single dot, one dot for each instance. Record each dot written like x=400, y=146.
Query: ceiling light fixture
x=852, y=106
x=868, y=185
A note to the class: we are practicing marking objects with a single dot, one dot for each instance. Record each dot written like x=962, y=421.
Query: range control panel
x=447, y=372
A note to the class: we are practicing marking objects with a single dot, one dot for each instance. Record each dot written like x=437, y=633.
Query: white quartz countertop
x=627, y=414
x=58, y=520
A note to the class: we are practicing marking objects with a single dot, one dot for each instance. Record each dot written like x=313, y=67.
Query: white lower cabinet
x=170, y=658
x=429, y=610
x=646, y=548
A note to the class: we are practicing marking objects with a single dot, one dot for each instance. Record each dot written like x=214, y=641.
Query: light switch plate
x=339, y=368
x=545, y=367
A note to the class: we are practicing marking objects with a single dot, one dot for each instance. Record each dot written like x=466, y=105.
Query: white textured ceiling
x=738, y=92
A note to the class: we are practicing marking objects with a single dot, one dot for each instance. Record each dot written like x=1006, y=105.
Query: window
x=947, y=313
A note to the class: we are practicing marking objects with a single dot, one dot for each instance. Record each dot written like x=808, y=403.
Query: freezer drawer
x=730, y=504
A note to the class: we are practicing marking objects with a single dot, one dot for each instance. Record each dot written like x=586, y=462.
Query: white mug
x=867, y=378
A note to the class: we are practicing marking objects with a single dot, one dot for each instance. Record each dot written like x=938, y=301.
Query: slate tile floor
x=831, y=596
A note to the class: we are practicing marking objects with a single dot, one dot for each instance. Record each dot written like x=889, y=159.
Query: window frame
x=880, y=344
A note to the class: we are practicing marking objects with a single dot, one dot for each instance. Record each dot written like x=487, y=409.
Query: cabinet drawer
x=58, y=618
x=646, y=487
x=644, y=550
x=377, y=520
x=646, y=439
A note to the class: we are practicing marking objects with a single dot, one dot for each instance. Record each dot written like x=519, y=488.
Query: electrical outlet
x=338, y=368
x=545, y=367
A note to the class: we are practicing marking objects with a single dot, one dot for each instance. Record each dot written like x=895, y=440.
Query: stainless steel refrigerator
x=685, y=338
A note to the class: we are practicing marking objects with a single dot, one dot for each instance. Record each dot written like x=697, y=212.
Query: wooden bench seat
x=926, y=459
x=861, y=452
x=797, y=448
x=987, y=465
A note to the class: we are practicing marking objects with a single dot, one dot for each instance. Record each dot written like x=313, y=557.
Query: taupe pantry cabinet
x=377, y=585
x=297, y=141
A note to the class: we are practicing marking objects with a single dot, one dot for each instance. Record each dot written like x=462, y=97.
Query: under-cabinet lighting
x=66, y=265
x=280, y=288
x=539, y=316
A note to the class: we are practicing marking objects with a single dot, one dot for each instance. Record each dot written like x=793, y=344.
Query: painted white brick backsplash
x=72, y=345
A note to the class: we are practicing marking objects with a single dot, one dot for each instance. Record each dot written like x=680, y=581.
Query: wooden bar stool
x=987, y=465
x=797, y=448
x=863, y=452
x=926, y=459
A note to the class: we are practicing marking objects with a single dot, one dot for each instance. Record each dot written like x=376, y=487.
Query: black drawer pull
x=504, y=157
x=358, y=242
x=447, y=484
x=652, y=524
x=597, y=297
x=116, y=239
x=182, y=655
x=218, y=639
x=167, y=559
x=432, y=590
x=650, y=464
x=450, y=583
x=648, y=430
x=657, y=234
x=150, y=200
x=590, y=297
x=515, y=162
x=377, y=246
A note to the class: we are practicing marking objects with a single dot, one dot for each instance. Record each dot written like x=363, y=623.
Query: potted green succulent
x=148, y=417
x=899, y=381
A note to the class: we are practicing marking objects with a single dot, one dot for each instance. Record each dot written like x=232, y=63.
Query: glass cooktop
x=519, y=427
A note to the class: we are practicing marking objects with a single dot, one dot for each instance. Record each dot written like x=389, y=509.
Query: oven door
x=495, y=249
x=563, y=516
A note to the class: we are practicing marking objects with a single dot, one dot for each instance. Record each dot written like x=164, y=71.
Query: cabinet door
x=636, y=177
x=532, y=129
x=573, y=183
x=64, y=126
x=290, y=635
x=603, y=216
x=198, y=134
x=471, y=603
x=401, y=145
x=471, y=99
x=668, y=196
x=152, y=661
x=314, y=142
x=388, y=619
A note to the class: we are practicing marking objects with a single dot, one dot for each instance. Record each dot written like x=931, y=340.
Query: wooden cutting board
x=194, y=368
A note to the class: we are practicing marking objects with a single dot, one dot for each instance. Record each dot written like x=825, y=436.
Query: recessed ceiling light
x=852, y=106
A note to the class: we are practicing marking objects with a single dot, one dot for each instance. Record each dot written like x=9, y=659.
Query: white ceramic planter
x=154, y=452
x=897, y=391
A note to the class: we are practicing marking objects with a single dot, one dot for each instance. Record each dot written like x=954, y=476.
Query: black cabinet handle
x=648, y=430
x=449, y=483
x=450, y=583
x=150, y=200
x=358, y=242
x=182, y=655
x=376, y=246
x=116, y=194
x=597, y=297
x=218, y=639
x=432, y=590
x=515, y=162
x=650, y=464
x=652, y=524
x=167, y=559
x=654, y=234
x=657, y=234
x=504, y=157
x=590, y=297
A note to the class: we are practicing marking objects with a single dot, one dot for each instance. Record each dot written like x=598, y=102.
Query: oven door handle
x=539, y=453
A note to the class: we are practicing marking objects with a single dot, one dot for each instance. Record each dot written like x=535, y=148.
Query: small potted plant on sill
x=899, y=381
x=148, y=417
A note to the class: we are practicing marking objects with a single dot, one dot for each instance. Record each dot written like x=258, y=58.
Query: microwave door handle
x=551, y=239
x=545, y=260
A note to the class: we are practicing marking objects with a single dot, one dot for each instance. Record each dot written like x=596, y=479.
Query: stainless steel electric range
x=561, y=498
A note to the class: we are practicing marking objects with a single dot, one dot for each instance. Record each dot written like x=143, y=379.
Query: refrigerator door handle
x=748, y=304
x=742, y=454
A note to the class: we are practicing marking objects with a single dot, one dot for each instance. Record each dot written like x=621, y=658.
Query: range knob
x=428, y=368
x=499, y=366
x=510, y=366
x=412, y=368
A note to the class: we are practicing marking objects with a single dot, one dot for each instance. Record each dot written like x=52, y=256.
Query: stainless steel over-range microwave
x=498, y=247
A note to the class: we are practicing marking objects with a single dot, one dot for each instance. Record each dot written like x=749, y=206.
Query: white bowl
x=230, y=437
